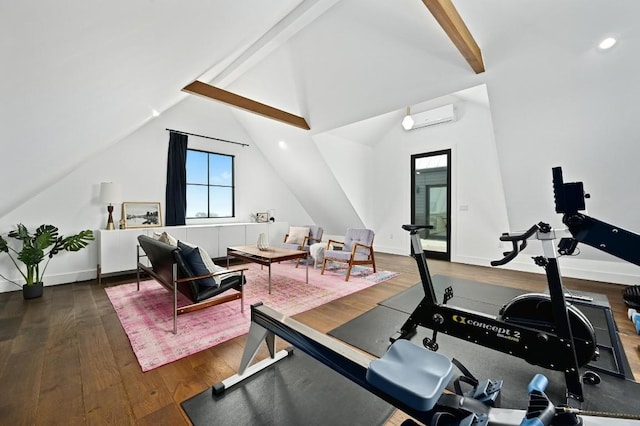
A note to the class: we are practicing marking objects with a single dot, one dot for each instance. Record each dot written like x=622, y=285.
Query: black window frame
x=209, y=185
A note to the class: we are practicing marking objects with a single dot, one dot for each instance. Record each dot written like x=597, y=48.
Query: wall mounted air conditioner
x=432, y=117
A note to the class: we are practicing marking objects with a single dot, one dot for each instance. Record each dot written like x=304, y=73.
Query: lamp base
x=110, y=225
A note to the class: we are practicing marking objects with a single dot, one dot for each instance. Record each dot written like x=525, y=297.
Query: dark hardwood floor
x=65, y=359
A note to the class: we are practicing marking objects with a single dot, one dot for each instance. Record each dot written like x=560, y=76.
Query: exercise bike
x=542, y=329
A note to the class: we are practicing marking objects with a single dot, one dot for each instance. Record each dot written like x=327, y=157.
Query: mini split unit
x=432, y=117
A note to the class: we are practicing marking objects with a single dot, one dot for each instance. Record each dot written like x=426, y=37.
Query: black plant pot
x=32, y=291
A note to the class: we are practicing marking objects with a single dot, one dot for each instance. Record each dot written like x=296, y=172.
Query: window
x=210, y=189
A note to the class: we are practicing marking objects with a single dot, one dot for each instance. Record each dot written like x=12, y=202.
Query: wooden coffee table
x=266, y=257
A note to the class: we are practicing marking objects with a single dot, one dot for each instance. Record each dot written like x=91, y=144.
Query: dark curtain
x=176, y=200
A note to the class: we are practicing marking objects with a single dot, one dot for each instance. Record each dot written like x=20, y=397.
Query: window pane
x=220, y=170
x=196, y=201
x=210, y=191
x=221, y=202
x=197, y=167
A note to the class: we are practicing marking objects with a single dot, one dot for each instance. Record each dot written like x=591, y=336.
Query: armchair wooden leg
x=349, y=271
x=324, y=265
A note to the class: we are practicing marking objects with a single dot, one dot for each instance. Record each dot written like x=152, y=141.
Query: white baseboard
x=52, y=279
x=595, y=270
x=391, y=250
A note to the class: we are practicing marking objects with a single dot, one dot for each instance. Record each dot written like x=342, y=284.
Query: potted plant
x=43, y=244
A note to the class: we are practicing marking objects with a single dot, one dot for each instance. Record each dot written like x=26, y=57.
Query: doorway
x=431, y=201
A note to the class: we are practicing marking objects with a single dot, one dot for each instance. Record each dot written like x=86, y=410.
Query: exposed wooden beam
x=447, y=16
x=212, y=92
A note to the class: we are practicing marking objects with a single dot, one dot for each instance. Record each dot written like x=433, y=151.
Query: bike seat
x=413, y=227
x=411, y=374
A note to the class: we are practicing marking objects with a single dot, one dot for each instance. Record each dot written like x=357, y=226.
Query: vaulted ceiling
x=78, y=76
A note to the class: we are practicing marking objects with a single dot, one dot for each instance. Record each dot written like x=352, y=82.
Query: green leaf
x=31, y=256
x=45, y=237
x=4, y=247
x=21, y=234
x=78, y=241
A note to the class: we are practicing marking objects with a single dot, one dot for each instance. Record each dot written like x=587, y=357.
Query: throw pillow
x=297, y=234
x=213, y=268
x=197, y=259
x=165, y=238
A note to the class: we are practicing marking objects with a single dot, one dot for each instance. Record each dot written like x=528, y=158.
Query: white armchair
x=357, y=249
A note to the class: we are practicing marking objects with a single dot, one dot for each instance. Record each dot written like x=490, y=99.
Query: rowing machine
x=409, y=377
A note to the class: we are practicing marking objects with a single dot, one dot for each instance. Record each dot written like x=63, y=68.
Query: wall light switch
x=464, y=207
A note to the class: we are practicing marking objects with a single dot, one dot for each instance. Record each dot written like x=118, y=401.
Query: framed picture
x=141, y=214
x=262, y=217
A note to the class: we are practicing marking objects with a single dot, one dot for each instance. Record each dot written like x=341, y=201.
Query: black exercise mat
x=466, y=294
x=296, y=390
x=371, y=331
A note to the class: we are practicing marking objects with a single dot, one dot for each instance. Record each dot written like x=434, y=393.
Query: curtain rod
x=206, y=137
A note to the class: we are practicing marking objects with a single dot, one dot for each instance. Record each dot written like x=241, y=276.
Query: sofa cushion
x=297, y=235
x=197, y=262
x=165, y=238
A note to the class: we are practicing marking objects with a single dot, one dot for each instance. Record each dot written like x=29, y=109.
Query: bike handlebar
x=515, y=239
x=413, y=229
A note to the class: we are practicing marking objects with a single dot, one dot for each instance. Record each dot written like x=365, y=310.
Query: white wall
x=138, y=162
x=557, y=100
x=352, y=165
x=304, y=172
x=554, y=100
x=476, y=183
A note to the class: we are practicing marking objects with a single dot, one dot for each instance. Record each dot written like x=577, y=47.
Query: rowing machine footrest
x=487, y=392
x=411, y=374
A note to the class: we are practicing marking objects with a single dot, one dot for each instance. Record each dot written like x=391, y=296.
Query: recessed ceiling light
x=282, y=144
x=607, y=43
x=155, y=113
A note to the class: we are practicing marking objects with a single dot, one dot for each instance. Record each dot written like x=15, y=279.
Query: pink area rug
x=147, y=317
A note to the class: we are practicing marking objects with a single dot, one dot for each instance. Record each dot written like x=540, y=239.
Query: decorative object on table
x=263, y=243
x=262, y=217
x=141, y=214
x=357, y=249
x=110, y=194
x=45, y=242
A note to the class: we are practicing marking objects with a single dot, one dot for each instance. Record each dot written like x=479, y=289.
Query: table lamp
x=110, y=193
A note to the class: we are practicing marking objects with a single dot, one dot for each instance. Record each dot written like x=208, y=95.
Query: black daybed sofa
x=174, y=271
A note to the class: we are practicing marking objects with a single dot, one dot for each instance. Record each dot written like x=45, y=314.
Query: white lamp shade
x=110, y=192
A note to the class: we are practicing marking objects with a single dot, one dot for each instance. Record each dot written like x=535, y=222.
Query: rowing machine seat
x=411, y=374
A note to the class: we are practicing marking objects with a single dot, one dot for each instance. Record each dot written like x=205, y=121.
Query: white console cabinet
x=117, y=248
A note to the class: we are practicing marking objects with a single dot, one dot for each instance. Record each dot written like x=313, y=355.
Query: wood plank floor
x=65, y=359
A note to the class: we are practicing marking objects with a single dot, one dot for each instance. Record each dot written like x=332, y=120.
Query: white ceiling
x=78, y=76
